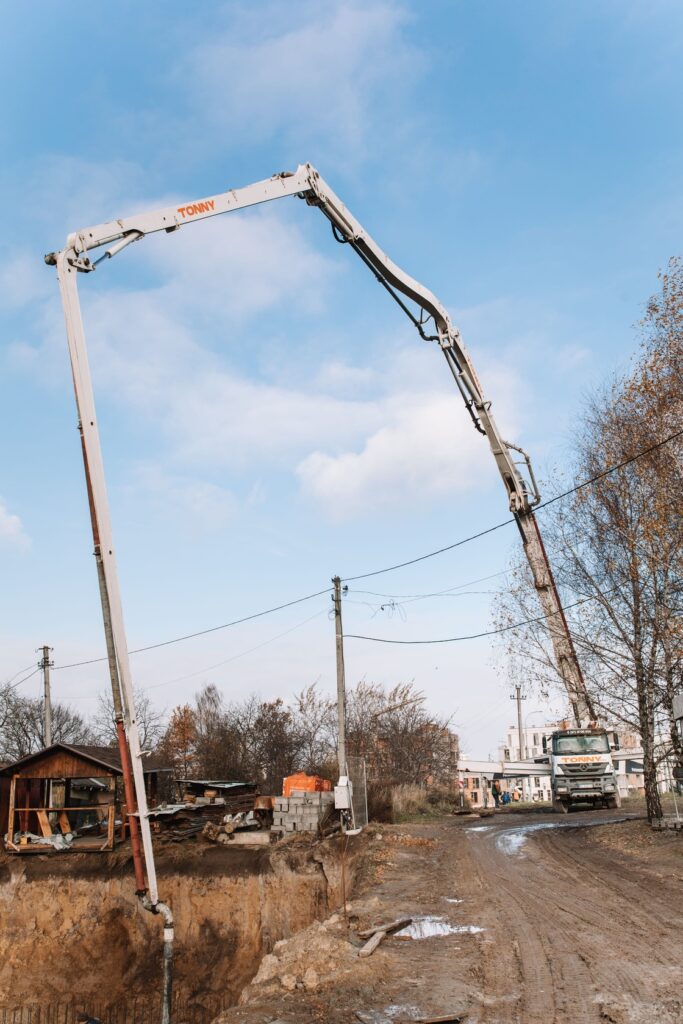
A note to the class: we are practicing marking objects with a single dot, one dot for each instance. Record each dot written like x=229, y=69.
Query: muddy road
x=531, y=919
x=578, y=930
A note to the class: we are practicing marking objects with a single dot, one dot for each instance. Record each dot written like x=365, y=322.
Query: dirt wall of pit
x=72, y=928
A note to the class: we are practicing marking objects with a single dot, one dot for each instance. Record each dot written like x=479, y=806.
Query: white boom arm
x=431, y=320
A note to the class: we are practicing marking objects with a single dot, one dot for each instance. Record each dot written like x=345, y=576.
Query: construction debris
x=372, y=943
x=232, y=823
x=393, y=926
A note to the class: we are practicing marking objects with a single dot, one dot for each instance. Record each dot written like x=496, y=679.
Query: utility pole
x=46, y=665
x=519, y=697
x=341, y=681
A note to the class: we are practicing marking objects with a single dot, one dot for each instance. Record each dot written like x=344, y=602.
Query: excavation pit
x=75, y=935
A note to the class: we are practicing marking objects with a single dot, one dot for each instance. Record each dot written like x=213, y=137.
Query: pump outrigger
x=432, y=322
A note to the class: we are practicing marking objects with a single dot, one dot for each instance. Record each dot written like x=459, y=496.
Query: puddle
x=512, y=840
x=410, y=1012
x=435, y=927
x=479, y=828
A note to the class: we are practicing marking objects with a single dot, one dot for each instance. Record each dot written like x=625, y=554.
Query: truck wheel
x=561, y=806
x=613, y=802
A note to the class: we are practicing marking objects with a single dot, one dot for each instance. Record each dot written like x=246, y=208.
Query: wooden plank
x=10, y=814
x=44, y=823
x=393, y=926
x=372, y=944
x=110, y=827
x=64, y=823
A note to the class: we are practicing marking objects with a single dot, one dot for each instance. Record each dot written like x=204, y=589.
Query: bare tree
x=315, y=722
x=399, y=739
x=617, y=547
x=22, y=727
x=150, y=720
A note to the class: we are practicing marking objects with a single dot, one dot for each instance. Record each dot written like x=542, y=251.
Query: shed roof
x=107, y=758
x=214, y=783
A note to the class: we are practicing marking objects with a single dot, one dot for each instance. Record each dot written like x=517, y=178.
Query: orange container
x=306, y=783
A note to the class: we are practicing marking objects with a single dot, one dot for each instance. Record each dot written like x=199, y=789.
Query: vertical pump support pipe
x=167, y=994
x=123, y=695
x=124, y=752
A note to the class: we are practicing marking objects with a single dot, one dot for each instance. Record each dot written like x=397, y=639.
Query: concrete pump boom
x=431, y=320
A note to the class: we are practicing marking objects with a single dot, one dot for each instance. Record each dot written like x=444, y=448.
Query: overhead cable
x=391, y=568
x=20, y=672
x=13, y=686
x=203, y=632
x=471, y=636
x=506, y=522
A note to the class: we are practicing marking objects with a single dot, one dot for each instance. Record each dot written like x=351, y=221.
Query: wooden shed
x=66, y=797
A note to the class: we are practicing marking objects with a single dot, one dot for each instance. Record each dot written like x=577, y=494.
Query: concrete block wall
x=301, y=812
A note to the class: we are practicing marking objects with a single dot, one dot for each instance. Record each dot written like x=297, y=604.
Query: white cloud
x=335, y=71
x=177, y=353
x=202, y=506
x=424, y=449
x=23, y=279
x=12, y=533
x=235, y=266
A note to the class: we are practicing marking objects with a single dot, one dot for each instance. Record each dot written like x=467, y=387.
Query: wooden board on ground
x=393, y=926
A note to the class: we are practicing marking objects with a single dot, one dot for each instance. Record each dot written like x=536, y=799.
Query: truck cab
x=581, y=769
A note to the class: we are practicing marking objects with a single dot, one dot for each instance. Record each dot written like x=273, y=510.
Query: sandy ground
x=581, y=921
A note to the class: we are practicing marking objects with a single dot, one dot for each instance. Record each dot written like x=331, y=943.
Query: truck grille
x=592, y=768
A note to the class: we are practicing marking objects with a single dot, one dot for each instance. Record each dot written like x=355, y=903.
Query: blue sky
x=268, y=418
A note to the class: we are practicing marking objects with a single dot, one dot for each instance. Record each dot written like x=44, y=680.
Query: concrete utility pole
x=46, y=665
x=519, y=697
x=341, y=681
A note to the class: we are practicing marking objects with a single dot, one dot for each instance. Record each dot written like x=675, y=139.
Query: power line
x=391, y=568
x=203, y=632
x=506, y=522
x=242, y=654
x=25, y=669
x=430, y=554
x=13, y=686
x=471, y=636
x=437, y=593
x=612, y=469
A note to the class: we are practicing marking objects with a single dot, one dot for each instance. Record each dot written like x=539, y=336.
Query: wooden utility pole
x=341, y=681
x=46, y=665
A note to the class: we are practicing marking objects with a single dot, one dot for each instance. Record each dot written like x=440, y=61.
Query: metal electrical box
x=342, y=794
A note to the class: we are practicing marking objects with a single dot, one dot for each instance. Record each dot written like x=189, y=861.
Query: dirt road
x=576, y=930
x=548, y=920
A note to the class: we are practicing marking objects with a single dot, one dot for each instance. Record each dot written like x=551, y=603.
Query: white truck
x=581, y=769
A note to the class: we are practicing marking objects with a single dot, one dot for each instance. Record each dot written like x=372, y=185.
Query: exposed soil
x=579, y=924
x=72, y=928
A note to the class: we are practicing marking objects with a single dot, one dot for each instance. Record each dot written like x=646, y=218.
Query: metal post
x=341, y=682
x=46, y=664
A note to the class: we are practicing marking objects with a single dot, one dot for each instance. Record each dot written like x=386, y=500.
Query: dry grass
x=412, y=801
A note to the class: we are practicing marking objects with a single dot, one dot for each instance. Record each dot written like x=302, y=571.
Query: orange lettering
x=194, y=208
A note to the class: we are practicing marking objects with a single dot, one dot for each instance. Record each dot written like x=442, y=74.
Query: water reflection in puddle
x=512, y=840
x=430, y=927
